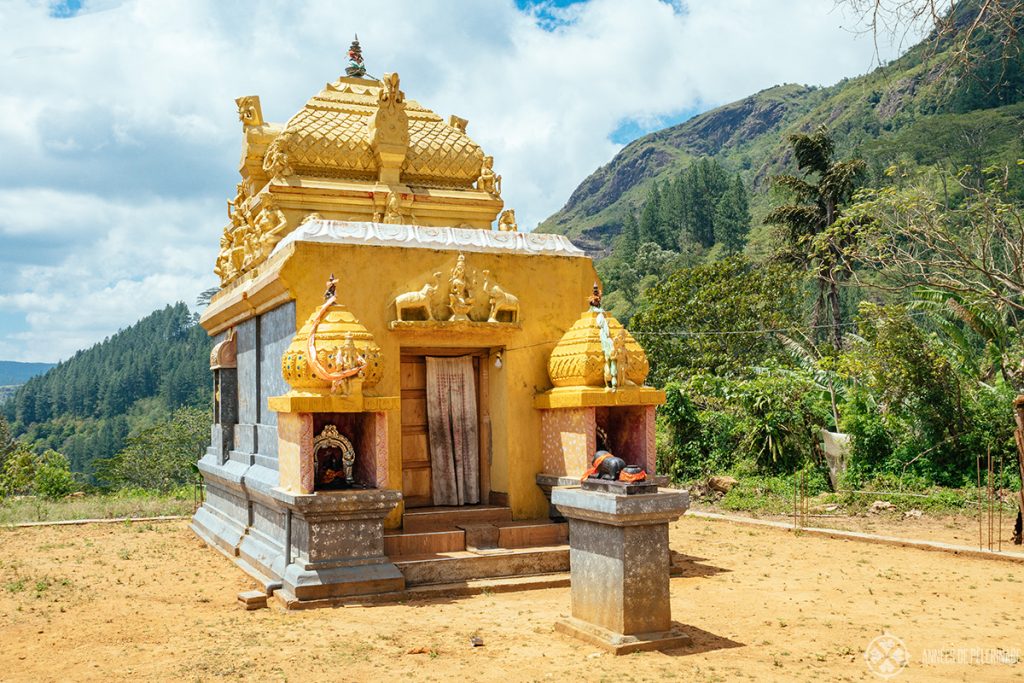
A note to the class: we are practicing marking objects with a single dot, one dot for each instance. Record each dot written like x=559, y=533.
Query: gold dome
x=334, y=136
x=578, y=359
x=331, y=334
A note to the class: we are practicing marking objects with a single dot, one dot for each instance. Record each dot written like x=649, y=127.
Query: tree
x=53, y=478
x=650, y=227
x=732, y=217
x=805, y=235
x=716, y=318
x=629, y=240
x=163, y=456
x=970, y=34
x=973, y=249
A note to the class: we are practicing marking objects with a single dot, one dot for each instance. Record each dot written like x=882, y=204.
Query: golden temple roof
x=330, y=137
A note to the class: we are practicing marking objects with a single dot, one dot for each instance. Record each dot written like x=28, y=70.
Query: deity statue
x=489, y=181
x=222, y=268
x=276, y=162
x=507, y=221
x=346, y=358
x=459, y=299
x=616, y=364
x=271, y=226
x=393, y=209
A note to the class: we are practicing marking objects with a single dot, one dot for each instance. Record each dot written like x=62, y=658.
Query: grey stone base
x=301, y=585
x=619, y=644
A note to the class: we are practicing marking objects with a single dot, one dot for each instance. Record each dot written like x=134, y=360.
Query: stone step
x=532, y=533
x=447, y=518
x=465, y=566
x=398, y=544
x=480, y=536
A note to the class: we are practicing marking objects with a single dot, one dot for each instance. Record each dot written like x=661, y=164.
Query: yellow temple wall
x=552, y=290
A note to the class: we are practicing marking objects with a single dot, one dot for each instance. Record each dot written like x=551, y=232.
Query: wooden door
x=416, y=474
x=415, y=445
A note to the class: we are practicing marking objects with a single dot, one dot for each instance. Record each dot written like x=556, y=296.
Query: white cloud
x=120, y=137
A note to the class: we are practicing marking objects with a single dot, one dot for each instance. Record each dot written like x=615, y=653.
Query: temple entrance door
x=417, y=469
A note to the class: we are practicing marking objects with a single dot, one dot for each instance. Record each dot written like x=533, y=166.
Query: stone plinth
x=619, y=559
x=335, y=545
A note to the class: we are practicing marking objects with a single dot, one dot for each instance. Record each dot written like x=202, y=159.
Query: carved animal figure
x=418, y=300
x=607, y=466
x=507, y=221
x=500, y=300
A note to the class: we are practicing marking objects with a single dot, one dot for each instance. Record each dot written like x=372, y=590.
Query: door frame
x=483, y=406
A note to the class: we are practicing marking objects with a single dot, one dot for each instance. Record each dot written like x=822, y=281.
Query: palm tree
x=824, y=185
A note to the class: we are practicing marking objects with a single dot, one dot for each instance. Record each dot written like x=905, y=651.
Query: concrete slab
x=619, y=644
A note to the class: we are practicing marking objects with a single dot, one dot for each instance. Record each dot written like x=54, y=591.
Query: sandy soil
x=150, y=602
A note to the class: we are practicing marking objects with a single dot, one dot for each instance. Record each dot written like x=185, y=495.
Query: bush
x=53, y=478
x=162, y=457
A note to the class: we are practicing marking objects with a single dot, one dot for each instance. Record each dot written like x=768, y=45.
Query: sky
x=120, y=139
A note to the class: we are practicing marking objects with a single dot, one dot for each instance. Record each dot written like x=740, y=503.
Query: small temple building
x=400, y=375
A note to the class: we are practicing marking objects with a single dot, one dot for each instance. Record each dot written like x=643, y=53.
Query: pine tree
x=732, y=217
x=650, y=217
x=629, y=239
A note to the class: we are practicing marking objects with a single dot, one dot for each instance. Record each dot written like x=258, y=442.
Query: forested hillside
x=87, y=406
x=913, y=109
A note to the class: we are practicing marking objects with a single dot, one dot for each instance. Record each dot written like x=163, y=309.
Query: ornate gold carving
x=250, y=113
x=579, y=360
x=459, y=299
x=393, y=209
x=458, y=123
x=223, y=354
x=271, y=226
x=388, y=130
x=417, y=300
x=507, y=221
x=276, y=161
x=616, y=363
x=500, y=301
x=332, y=352
x=488, y=181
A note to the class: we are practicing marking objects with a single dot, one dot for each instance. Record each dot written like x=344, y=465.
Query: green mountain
x=86, y=406
x=918, y=109
x=13, y=372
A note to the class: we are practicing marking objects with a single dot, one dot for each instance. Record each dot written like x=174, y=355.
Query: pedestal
x=335, y=542
x=619, y=559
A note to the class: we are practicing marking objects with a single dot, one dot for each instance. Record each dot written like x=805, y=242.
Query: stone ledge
x=620, y=510
x=596, y=397
x=317, y=403
x=619, y=644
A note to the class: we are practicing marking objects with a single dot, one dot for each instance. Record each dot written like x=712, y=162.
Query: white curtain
x=452, y=431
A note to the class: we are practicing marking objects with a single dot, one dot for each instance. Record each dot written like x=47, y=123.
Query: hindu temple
x=401, y=376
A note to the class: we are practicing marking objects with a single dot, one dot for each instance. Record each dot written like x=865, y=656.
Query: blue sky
x=118, y=122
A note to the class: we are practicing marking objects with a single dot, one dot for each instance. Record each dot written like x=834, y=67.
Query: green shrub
x=53, y=478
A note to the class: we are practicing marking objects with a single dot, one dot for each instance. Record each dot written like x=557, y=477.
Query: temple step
x=453, y=567
x=532, y=533
x=447, y=518
x=397, y=544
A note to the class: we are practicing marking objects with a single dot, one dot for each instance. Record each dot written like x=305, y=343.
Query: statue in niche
x=459, y=299
x=507, y=221
x=489, y=181
x=392, y=209
x=417, y=300
x=616, y=364
x=334, y=460
x=500, y=301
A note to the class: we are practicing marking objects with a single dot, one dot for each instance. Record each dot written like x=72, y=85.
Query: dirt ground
x=960, y=529
x=150, y=602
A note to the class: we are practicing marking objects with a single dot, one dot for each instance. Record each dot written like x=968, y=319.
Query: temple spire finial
x=356, y=68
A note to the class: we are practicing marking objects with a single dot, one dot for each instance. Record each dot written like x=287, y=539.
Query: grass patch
x=128, y=503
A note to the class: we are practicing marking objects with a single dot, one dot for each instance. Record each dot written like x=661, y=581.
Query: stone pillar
x=619, y=558
x=335, y=545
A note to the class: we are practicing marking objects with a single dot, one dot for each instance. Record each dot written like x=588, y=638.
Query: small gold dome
x=331, y=334
x=578, y=359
